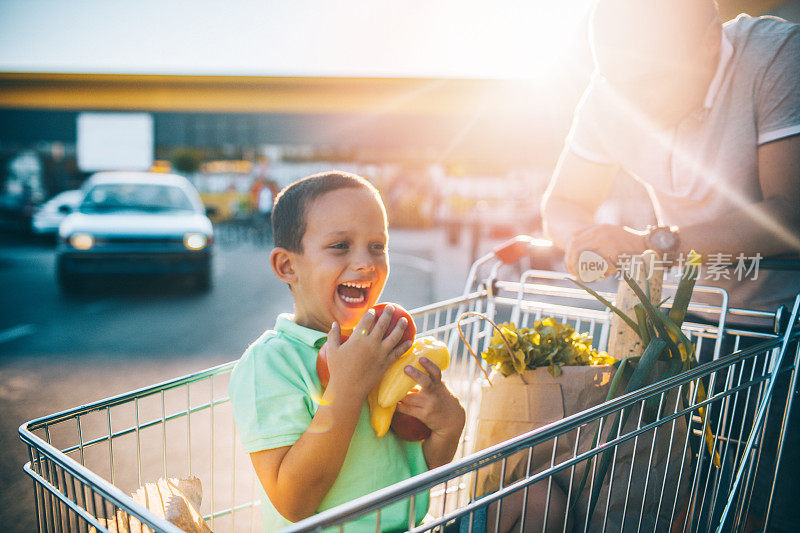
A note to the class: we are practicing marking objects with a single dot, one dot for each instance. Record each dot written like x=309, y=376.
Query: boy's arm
x=438, y=409
x=440, y=448
x=296, y=478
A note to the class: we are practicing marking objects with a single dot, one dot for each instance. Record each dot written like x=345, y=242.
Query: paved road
x=58, y=352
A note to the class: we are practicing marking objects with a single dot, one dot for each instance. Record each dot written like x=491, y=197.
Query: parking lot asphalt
x=58, y=351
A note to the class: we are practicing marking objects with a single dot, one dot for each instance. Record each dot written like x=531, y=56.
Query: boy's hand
x=360, y=362
x=434, y=404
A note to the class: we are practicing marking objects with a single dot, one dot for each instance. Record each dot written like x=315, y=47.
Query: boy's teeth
x=353, y=300
x=354, y=292
x=358, y=285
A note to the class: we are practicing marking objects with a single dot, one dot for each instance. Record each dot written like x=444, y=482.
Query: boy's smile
x=354, y=293
x=343, y=267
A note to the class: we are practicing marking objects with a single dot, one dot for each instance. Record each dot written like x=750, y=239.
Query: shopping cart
x=85, y=461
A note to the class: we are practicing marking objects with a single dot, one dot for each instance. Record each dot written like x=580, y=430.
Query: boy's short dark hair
x=289, y=211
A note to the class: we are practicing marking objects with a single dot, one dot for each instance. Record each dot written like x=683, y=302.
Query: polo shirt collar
x=725, y=55
x=310, y=337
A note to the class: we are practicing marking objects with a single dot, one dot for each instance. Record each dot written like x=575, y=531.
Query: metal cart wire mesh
x=85, y=461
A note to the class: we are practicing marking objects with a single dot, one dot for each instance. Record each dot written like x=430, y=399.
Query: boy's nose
x=366, y=266
x=363, y=263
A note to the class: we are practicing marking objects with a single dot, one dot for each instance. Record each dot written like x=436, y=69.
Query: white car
x=48, y=216
x=136, y=223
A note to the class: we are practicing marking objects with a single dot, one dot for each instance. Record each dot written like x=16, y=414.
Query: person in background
x=706, y=116
x=264, y=209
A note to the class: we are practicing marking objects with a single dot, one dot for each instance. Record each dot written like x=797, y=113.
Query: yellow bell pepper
x=395, y=383
x=379, y=417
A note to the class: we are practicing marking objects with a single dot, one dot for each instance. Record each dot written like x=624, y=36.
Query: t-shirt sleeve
x=272, y=406
x=778, y=95
x=584, y=137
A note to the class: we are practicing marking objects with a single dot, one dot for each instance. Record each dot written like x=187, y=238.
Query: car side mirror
x=211, y=211
x=64, y=209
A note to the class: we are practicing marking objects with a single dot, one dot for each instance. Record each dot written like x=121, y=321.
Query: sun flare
x=522, y=40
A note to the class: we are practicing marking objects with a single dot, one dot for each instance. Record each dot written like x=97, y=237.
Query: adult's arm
x=569, y=204
x=769, y=227
x=576, y=190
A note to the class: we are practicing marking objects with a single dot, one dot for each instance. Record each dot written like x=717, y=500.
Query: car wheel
x=68, y=282
x=202, y=280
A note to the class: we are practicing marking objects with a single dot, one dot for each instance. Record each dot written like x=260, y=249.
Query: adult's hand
x=608, y=241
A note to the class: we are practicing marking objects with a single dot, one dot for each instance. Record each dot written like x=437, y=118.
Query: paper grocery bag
x=511, y=407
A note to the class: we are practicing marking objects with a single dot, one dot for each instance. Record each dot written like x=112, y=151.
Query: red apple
x=322, y=363
x=399, y=312
x=408, y=335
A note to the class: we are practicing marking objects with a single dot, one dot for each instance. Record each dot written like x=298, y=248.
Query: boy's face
x=343, y=267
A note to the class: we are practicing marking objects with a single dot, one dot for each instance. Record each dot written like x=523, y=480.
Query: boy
x=313, y=449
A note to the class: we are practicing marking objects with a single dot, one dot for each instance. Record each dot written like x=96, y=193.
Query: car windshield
x=131, y=196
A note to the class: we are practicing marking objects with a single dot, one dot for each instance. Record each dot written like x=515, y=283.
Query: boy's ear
x=282, y=264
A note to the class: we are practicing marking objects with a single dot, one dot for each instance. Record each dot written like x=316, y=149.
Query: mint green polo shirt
x=274, y=390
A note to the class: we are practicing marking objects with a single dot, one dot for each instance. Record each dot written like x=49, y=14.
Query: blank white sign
x=115, y=141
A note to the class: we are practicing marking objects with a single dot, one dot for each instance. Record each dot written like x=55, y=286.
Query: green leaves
x=664, y=340
x=548, y=344
x=685, y=287
x=628, y=320
x=637, y=381
x=667, y=330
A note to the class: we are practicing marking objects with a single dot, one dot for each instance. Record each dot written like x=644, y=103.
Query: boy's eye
x=379, y=247
x=339, y=246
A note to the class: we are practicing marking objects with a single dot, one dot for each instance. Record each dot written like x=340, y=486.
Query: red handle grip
x=515, y=249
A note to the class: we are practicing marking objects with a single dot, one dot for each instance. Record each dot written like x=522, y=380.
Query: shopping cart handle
x=780, y=263
x=518, y=247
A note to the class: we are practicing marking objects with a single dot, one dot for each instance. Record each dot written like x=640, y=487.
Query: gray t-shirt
x=707, y=165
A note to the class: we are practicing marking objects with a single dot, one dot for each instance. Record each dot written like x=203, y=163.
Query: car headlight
x=81, y=241
x=195, y=241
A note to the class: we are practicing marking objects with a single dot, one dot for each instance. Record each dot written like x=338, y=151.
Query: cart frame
x=72, y=491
